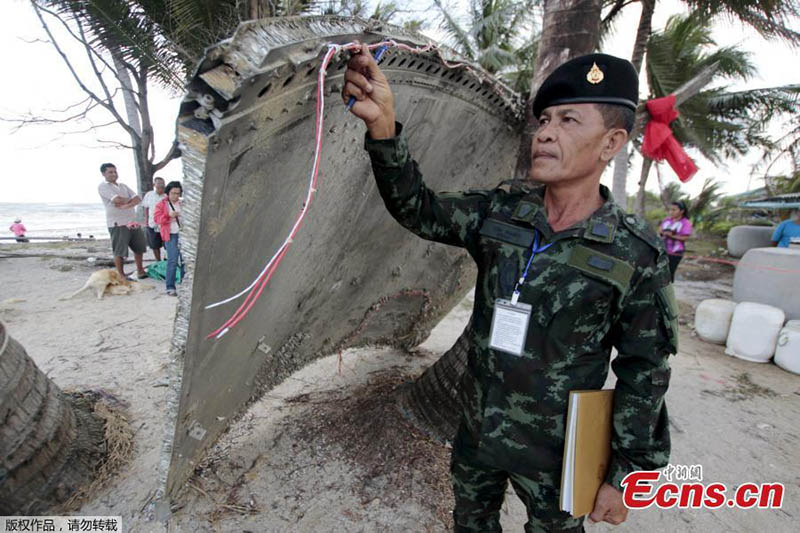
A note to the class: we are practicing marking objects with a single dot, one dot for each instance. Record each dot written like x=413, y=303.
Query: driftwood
x=99, y=261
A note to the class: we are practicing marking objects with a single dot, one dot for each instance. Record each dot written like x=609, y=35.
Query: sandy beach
x=324, y=452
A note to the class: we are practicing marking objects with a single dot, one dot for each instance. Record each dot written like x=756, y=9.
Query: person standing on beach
x=564, y=273
x=151, y=198
x=126, y=232
x=18, y=229
x=168, y=217
x=675, y=230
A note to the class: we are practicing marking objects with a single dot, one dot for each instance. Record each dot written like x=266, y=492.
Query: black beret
x=593, y=78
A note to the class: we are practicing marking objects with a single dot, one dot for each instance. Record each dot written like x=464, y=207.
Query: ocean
x=55, y=220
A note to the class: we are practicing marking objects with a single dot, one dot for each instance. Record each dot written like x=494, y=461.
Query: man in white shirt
x=126, y=232
x=151, y=198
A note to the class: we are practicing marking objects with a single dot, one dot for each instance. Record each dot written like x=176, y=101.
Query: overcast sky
x=41, y=165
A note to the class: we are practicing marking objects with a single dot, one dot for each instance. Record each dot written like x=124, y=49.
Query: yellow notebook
x=587, y=449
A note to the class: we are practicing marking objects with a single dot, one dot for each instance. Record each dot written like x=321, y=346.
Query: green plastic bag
x=158, y=270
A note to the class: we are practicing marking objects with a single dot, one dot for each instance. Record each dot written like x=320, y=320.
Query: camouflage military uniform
x=602, y=283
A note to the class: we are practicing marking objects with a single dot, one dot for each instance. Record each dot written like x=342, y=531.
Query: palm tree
x=188, y=27
x=671, y=193
x=705, y=199
x=51, y=443
x=785, y=149
x=773, y=19
x=717, y=123
x=494, y=36
x=125, y=51
x=144, y=41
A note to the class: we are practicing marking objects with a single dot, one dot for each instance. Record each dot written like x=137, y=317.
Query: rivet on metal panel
x=262, y=346
x=196, y=431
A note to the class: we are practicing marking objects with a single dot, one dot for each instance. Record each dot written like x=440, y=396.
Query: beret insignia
x=595, y=75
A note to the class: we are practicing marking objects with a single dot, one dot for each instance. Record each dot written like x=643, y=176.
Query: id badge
x=509, y=326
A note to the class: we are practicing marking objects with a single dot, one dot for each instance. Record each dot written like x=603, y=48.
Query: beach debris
x=264, y=82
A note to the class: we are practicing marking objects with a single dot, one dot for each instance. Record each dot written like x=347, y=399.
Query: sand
x=323, y=452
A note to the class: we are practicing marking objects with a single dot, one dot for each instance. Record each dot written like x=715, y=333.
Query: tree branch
x=33, y=41
x=82, y=41
x=148, y=137
x=116, y=143
x=109, y=106
x=69, y=107
x=174, y=153
x=90, y=128
x=618, y=5
x=89, y=53
x=36, y=120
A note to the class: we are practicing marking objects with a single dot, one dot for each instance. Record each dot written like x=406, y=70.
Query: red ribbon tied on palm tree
x=660, y=144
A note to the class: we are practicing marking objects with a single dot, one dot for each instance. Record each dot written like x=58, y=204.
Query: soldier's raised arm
x=447, y=218
x=374, y=102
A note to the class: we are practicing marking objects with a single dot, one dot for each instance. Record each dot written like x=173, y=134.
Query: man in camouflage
x=602, y=282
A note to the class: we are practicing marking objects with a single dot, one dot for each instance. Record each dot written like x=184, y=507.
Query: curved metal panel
x=353, y=275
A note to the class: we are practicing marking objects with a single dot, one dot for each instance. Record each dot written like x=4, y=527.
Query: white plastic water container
x=787, y=354
x=712, y=319
x=769, y=276
x=754, y=332
x=742, y=238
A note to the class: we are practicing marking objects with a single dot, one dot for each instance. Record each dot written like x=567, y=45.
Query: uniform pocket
x=659, y=379
x=569, y=315
x=668, y=307
x=502, y=261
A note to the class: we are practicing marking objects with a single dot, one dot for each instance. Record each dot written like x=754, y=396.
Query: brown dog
x=104, y=280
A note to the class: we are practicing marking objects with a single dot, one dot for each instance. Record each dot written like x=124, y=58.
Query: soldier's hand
x=608, y=506
x=374, y=100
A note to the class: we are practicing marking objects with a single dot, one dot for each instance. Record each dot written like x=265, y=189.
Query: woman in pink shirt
x=18, y=229
x=675, y=230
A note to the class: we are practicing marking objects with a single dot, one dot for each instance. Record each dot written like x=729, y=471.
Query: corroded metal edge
x=194, y=147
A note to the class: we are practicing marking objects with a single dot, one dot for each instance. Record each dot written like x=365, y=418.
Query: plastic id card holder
x=509, y=326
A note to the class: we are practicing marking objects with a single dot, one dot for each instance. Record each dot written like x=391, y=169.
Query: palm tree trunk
x=432, y=401
x=643, y=33
x=144, y=179
x=49, y=448
x=646, y=164
x=570, y=28
x=619, y=185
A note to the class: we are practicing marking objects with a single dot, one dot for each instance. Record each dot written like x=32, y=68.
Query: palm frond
x=770, y=18
x=459, y=37
x=708, y=195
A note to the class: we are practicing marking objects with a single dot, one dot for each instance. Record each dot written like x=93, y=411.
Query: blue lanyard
x=535, y=249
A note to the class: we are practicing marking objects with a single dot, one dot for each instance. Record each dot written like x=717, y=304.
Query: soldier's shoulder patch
x=469, y=192
x=514, y=186
x=642, y=230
